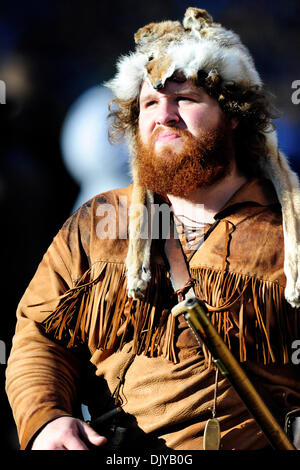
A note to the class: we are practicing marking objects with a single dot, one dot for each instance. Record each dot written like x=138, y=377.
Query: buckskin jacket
x=79, y=339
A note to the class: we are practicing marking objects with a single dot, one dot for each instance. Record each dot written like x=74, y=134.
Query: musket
x=195, y=313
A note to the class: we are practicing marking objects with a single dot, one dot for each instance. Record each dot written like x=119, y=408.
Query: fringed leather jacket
x=79, y=338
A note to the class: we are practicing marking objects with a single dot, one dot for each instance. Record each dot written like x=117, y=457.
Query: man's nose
x=167, y=114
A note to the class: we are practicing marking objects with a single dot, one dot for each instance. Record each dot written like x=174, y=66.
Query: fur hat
x=200, y=44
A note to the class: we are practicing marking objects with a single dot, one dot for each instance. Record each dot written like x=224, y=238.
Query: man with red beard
x=186, y=147
x=95, y=324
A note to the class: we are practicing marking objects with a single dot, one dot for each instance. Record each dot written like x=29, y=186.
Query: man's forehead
x=171, y=86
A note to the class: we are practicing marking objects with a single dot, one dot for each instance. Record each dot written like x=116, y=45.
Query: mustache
x=173, y=130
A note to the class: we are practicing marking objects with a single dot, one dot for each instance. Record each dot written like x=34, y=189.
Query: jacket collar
x=255, y=192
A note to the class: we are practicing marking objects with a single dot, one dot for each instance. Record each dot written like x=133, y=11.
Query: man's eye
x=150, y=103
x=184, y=98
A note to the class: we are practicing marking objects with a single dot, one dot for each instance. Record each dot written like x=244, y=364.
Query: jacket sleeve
x=41, y=375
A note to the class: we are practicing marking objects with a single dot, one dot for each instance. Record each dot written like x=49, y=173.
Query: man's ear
x=234, y=123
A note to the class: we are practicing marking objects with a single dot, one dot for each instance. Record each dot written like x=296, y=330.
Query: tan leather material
x=246, y=248
x=80, y=289
x=182, y=282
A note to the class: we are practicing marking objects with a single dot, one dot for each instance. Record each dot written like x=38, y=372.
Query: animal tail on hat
x=276, y=166
x=138, y=256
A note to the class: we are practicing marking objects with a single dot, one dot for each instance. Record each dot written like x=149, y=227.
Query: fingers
x=75, y=443
x=67, y=433
x=90, y=435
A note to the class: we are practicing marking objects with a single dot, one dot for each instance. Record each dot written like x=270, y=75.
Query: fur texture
x=138, y=256
x=286, y=183
x=197, y=44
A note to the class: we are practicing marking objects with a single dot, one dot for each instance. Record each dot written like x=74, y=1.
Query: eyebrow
x=188, y=91
x=150, y=96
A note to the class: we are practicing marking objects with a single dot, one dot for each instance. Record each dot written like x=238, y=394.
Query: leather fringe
x=266, y=332
x=98, y=312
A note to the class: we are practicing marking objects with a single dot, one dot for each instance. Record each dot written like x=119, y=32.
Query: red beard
x=200, y=163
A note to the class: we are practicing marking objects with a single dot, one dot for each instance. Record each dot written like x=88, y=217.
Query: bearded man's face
x=184, y=140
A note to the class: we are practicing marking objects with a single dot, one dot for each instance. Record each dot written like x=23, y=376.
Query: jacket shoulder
x=93, y=228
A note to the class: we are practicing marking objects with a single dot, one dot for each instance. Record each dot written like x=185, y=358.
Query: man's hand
x=67, y=433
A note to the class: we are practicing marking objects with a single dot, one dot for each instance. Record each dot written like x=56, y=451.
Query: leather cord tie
x=181, y=292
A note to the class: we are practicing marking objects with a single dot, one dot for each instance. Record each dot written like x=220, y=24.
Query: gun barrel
x=195, y=313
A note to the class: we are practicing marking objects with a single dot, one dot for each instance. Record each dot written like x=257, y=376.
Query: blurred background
x=54, y=57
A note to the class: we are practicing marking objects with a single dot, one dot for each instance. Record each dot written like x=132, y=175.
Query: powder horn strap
x=182, y=282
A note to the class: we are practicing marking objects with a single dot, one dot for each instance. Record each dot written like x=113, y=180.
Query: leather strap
x=182, y=282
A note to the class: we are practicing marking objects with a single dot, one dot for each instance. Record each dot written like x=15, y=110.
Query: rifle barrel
x=195, y=313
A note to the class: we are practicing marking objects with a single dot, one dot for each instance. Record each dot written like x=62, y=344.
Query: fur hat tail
x=138, y=256
x=276, y=167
